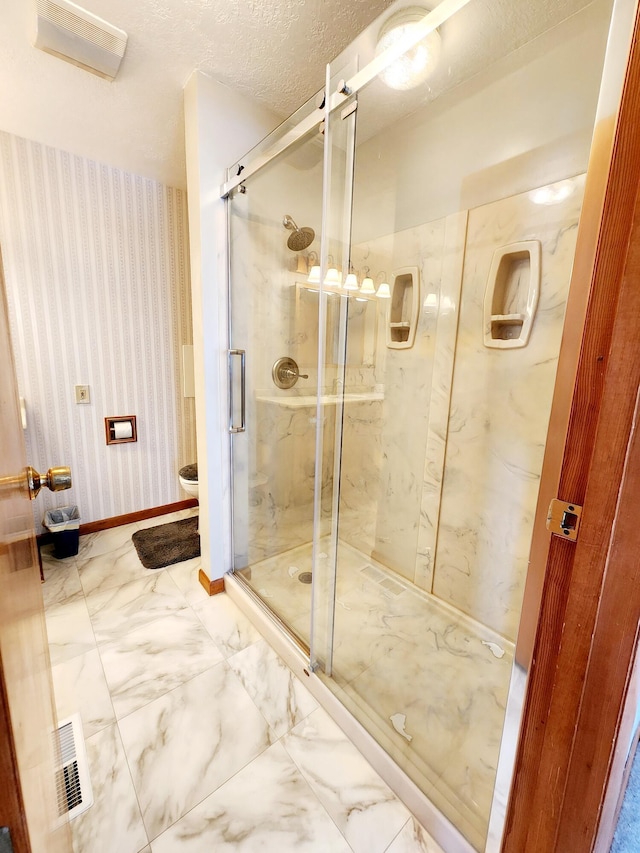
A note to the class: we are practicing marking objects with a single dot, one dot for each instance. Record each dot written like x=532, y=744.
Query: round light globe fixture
x=413, y=67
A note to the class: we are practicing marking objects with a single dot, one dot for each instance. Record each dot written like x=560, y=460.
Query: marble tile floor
x=430, y=684
x=198, y=737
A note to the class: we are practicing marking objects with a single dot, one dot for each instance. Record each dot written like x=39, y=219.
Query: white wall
x=524, y=122
x=221, y=126
x=97, y=272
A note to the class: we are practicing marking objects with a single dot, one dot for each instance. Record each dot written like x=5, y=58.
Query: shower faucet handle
x=290, y=372
x=285, y=373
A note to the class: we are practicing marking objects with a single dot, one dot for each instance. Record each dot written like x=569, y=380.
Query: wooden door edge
x=562, y=645
x=12, y=813
x=599, y=729
x=622, y=761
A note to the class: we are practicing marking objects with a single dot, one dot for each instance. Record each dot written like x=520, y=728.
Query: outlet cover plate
x=83, y=394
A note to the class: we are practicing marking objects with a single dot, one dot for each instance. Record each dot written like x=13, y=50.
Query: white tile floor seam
x=199, y=738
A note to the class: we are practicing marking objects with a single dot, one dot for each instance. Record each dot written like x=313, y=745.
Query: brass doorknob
x=57, y=479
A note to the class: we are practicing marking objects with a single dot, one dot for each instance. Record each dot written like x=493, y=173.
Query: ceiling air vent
x=65, y=30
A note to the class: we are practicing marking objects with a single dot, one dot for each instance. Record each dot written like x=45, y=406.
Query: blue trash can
x=64, y=525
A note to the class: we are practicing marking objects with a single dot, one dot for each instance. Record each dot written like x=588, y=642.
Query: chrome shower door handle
x=243, y=387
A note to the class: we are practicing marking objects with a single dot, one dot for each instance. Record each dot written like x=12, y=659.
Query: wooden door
x=582, y=656
x=27, y=715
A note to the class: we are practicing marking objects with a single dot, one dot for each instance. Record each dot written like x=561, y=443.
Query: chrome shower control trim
x=285, y=373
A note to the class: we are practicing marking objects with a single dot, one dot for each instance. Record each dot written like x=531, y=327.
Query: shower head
x=300, y=238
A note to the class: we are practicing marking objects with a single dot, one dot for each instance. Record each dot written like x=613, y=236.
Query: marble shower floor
x=430, y=684
x=199, y=738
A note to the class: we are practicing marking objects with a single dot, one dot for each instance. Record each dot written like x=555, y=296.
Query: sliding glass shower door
x=399, y=277
x=466, y=197
x=274, y=231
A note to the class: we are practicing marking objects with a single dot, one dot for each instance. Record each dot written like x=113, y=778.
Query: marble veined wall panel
x=273, y=317
x=360, y=486
x=383, y=460
x=448, y=310
x=500, y=405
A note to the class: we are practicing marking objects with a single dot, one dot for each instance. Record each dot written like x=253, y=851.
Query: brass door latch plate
x=563, y=519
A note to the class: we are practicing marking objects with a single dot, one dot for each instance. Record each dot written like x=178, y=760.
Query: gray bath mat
x=167, y=544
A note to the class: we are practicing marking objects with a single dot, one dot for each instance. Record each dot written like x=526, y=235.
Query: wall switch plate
x=83, y=394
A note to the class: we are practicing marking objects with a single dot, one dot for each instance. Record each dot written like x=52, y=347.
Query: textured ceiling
x=271, y=50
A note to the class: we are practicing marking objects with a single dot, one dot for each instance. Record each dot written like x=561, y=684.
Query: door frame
x=28, y=801
x=12, y=812
x=621, y=764
x=583, y=653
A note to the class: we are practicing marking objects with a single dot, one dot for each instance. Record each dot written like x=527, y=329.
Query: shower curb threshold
x=442, y=830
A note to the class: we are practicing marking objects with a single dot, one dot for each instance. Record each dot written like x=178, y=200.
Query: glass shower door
x=466, y=196
x=392, y=377
x=274, y=224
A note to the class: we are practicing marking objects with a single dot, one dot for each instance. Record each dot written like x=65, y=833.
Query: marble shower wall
x=384, y=442
x=442, y=448
x=500, y=407
x=440, y=478
x=271, y=318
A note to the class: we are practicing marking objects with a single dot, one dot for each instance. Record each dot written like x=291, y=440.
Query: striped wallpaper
x=96, y=266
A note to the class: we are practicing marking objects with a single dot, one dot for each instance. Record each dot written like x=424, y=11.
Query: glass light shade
x=414, y=66
x=351, y=282
x=383, y=291
x=332, y=277
x=314, y=275
x=431, y=302
x=368, y=286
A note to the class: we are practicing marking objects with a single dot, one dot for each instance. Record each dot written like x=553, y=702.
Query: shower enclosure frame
x=568, y=445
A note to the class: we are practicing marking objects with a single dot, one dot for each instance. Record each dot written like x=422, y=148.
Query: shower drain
x=304, y=577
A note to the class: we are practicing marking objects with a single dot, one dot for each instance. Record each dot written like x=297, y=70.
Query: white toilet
x=189, y=479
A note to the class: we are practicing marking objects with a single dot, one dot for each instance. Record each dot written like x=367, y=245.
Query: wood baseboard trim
x=212, y=587
x=128, y=518
x=131, y=517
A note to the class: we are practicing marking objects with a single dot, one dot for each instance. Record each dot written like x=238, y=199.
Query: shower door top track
x=347, y=88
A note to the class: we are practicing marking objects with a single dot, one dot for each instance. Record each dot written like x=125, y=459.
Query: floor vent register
x=73, y=784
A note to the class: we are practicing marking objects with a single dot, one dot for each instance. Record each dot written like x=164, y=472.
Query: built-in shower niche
x=403, y=308
x=511, y=296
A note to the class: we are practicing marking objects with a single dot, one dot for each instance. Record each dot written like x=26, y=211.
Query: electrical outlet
x=82, y=394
